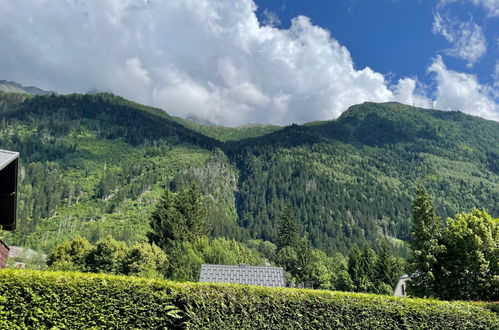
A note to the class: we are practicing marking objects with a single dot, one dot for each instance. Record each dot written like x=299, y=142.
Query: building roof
x=6, y=157
x=242, y=274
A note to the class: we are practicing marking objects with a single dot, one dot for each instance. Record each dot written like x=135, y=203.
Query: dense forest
x=353, y=179
x=95, y=165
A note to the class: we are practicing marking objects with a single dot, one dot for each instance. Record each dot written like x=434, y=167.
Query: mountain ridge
x=14, y=87
x=90, y=160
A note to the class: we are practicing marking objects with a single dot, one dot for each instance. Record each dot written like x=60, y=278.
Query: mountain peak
x=14, y=87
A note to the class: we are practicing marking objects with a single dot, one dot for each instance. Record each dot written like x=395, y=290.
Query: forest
x=94, y=167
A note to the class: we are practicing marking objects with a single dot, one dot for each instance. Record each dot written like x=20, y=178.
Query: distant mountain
x=13, y=87
x=94, y=165
x=223, y=134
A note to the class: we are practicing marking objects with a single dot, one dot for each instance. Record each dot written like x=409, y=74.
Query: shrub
x=36, y=299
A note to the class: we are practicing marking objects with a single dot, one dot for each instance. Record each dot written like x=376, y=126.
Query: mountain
x=13, y=87
x=94, y=165
x=353, y=179
x=224, y=134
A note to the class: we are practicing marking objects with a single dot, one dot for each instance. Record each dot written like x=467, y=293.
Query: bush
x=109, y=256
x=36, y=299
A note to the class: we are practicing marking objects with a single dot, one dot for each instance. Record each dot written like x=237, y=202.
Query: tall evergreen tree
x=163, y=221
x=355, y=266
x=425, y=246
x=288, y=230
x=389, y=267
x=178, y=218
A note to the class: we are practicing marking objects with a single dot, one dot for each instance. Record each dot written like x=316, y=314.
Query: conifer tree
x=178, y=218
x=425, y=246
x=389, y=268
x=355, y=267
x=288, y=229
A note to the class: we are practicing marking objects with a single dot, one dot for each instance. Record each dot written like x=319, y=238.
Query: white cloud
x=460, y=91
x=406, y=91
x=270, y=18
x=467, y=38
x=491, y=6
x=212, y=60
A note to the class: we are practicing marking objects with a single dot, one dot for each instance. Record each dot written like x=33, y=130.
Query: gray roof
x=6, y=157
x=242, y=274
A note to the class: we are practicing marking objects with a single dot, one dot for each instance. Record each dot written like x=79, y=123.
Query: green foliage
x=371, y=271
x=361, y=267
x=71, y=255
x=72, y=300
x=426, y=230
x=311, y=267
x=470, y=262
x=92, y=165
x=229, y=133
x=178, y=218
x=460, y=261
x=31, y=299
x=187, y=257
x=145, y=260
x=288, y=231
x=109, y=256
x=351, y=180
x=389, y=267
x=265, y=248
x=95, y=165
x=217, y=180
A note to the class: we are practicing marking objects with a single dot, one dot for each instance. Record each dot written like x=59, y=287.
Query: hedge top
x=44, y=299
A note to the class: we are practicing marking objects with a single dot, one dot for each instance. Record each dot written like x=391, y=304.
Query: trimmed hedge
x=42, y=299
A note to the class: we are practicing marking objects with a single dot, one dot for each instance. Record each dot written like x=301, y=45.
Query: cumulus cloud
x=460, y=91
x=467, y=38
x=406, y=91
x=211, y=60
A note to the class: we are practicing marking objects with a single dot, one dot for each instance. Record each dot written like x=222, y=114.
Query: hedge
x=42, y=299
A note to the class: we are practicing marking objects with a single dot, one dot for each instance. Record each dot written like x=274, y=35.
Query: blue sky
x=395, y=37
x=233, y=62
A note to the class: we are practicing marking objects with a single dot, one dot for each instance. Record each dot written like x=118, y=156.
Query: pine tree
x=389, y=268
x=288, y=229
x=355, y=267
x=192, y=213
x=163, y=222
x=425, y=247
x=178, y=218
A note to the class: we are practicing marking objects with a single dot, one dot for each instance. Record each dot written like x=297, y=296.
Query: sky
x=234, y=62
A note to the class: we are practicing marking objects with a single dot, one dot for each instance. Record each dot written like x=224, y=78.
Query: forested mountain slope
x=353, y=178
x=95, y=164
